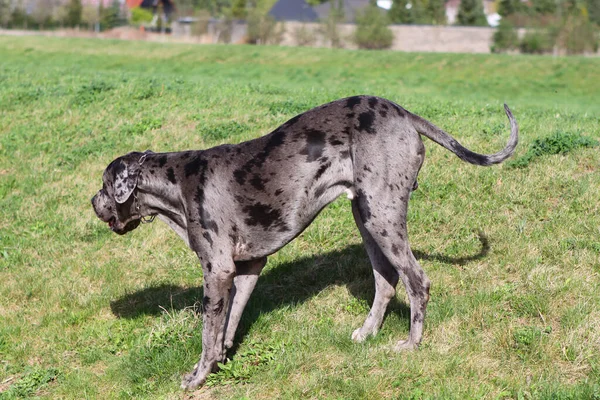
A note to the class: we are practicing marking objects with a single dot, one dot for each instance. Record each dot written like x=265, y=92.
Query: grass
x=513, y=253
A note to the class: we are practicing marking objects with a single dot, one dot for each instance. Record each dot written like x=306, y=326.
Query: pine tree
x=74, y=10
x=238, y=9
x=436, y=11
x=470, y=13
x=508, y=7
x=593, y=8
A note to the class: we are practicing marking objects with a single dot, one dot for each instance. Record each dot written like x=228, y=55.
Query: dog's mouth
x=120, y=228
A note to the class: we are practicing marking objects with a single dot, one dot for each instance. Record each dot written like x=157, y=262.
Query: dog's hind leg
x=417, y=286
x=384, y=218
x=247, y=273
x=394, y=247
x=386, y=279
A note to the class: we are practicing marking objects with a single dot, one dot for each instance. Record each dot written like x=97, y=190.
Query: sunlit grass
x=513, y=253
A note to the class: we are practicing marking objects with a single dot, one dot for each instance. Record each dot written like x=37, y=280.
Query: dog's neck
x=154, y=200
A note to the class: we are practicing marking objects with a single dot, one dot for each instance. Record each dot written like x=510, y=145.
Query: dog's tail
x=442, y=138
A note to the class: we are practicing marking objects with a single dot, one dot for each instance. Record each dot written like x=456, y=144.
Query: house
x=300, y=10
x=293, y=10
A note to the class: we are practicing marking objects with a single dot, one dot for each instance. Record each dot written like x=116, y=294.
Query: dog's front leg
x=218, y=280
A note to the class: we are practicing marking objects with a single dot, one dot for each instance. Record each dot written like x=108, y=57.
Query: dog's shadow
x=286, y=284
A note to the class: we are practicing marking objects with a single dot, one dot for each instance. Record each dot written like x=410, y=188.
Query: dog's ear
x=125, y=179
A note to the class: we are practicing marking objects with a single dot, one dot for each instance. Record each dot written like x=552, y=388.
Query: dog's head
x=116, y=203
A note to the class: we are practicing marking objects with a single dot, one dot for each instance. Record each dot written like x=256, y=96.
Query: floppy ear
x=126, y=177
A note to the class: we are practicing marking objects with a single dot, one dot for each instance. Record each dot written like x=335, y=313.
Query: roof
x=293, y=10
x=351, y=8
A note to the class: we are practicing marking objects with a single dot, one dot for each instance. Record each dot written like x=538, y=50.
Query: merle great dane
x=236, y=204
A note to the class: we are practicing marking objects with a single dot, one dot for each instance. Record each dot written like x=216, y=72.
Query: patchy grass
x=513, y=253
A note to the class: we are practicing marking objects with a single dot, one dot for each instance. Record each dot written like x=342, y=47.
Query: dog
x=234, y=205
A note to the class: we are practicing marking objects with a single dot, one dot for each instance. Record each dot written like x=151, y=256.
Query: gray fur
x=236, y=204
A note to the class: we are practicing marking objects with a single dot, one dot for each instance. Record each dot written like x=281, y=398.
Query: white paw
x=358, y=336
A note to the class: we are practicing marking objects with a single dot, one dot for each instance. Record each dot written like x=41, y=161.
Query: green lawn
x=513, y=252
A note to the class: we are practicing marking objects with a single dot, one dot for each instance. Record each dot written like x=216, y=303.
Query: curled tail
x=442, y=138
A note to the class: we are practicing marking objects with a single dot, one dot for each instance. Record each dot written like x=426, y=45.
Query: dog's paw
x=405, y=345
x=193, y=380
x=358, y=336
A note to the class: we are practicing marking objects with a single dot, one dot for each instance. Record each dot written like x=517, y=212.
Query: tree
x=372, y=30
x=238, y=9
x=593, y=8
x=544, y=7
x=509, y=7
x=329, y=28
x=436, y=11
x=110, y=17
x=90, y=15
x=4, y=13
x=42, y=14
x=60, y=15
x=418, y=12
x=74, y=9
x=470, y=13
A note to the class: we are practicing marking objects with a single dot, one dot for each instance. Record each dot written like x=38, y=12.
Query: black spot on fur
x=373, y=102
x=396, y=251
x=205, y=303
x=363, y=206
x=209, y=266
x=345, y=154
x=278, y=192
x=384, y=233
x=365, y=122
x=205, y=219
x=240, y=176
x=171, y=175
x=258, y=183
x=415, y=186
x=208, y=238
x=322, y=170
x=383, y=113
x=366, y=168
x=264, y=215
x=315, y=144
x=400, y=111
x=162, y=160
x=219, y=306
x=197, y=165
x=353, y=101
x=320, y=190
x=335, y=142
x=293, y=120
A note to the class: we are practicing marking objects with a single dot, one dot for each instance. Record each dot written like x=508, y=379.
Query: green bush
x=505, y=38
x=263, y=29
x=537, y=41
x=470, y=13
x=140, y=16
x=559, y=143
x=372, y=31
x=578, y=35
